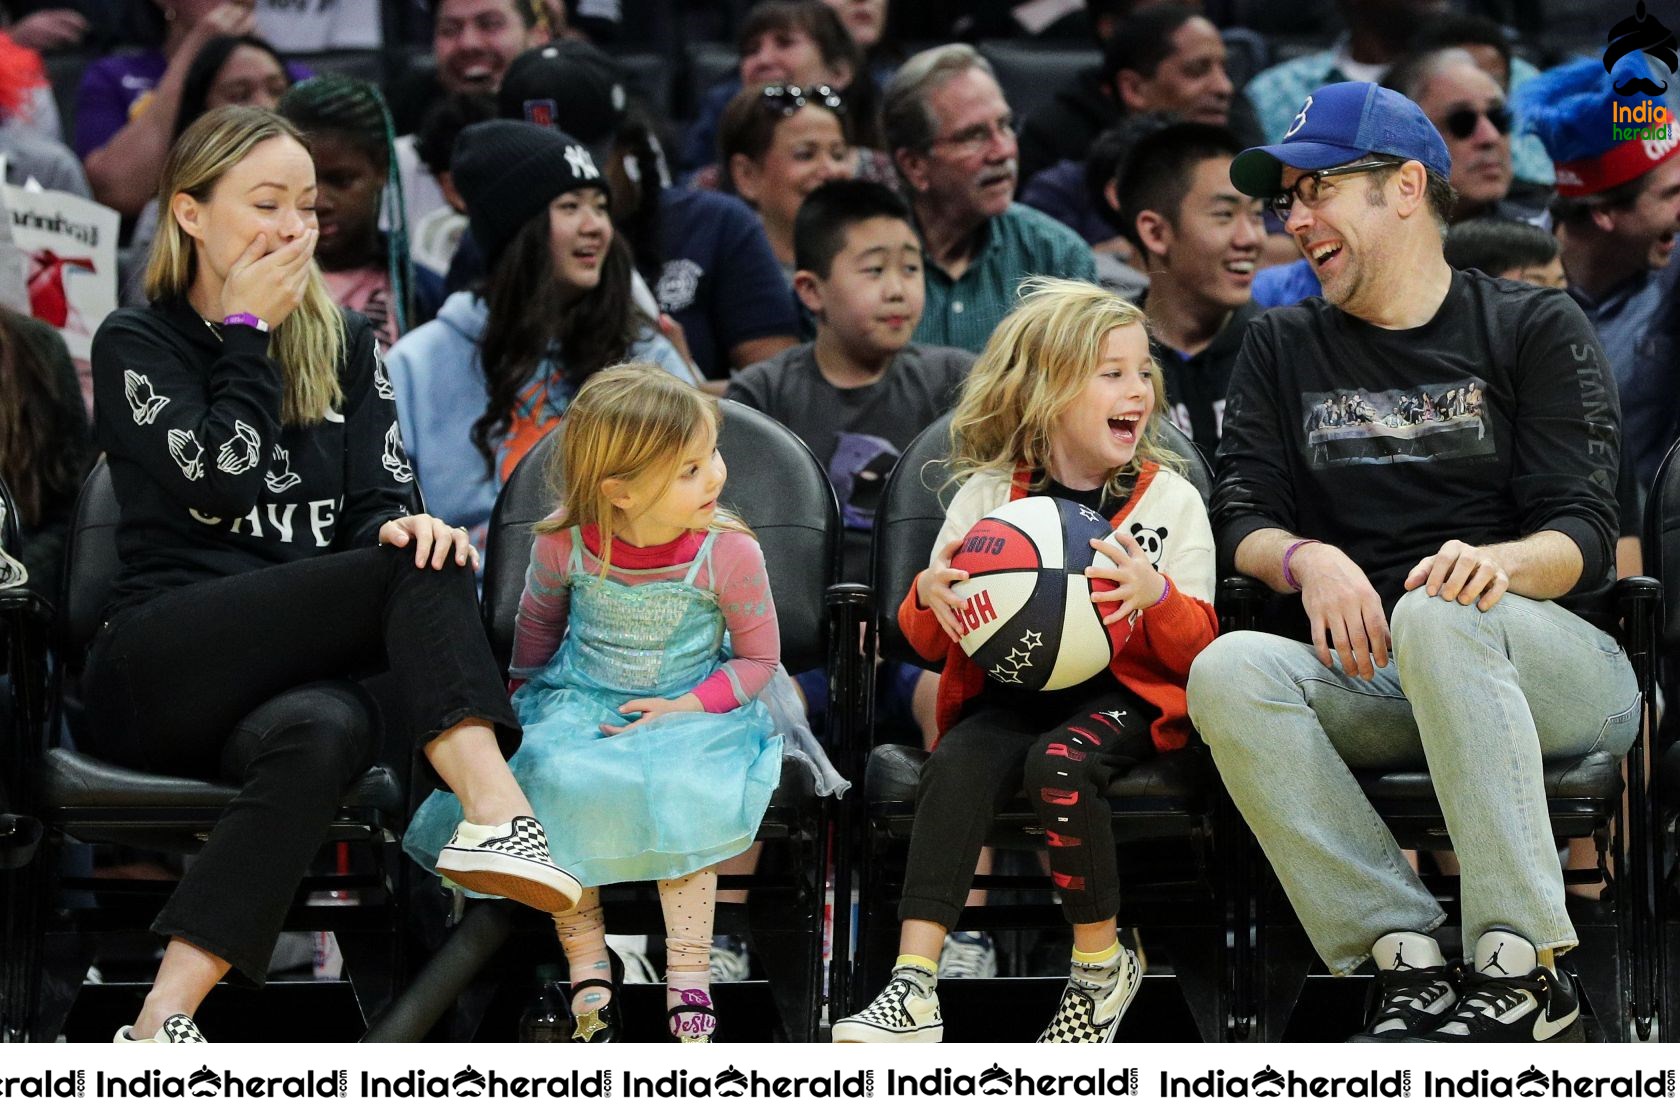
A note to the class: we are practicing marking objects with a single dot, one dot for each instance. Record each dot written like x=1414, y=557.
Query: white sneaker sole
x=867, y=1032
x=541, y=886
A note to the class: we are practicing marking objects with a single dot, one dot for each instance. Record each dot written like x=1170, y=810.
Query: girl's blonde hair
x=310, y=343
x=630, y=422
x=1035, y=365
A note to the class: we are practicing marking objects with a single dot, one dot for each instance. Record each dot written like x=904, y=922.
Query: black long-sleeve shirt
x=1496, y=419
x=209, y=481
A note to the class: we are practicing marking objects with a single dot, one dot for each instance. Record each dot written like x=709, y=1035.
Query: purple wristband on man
x=1288, y=555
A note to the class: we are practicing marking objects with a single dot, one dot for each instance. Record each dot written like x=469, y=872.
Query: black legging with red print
x=1063, y=748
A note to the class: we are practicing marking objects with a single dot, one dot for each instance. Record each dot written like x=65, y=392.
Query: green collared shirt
x=1018, y=243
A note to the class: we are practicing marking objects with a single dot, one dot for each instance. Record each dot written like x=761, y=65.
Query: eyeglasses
x=1307, y=188
x=973, y=140
x=788, y=100
x=1462, y=122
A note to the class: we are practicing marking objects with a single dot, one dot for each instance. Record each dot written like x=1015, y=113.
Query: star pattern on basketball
x=1088, y=513
x=1032, y=639
x=1019, y=659
x=1006, y=676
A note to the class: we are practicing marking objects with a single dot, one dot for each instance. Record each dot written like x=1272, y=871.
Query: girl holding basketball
x=1062, y=402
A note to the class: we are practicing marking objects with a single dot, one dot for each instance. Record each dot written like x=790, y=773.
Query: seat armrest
x=1240, y=600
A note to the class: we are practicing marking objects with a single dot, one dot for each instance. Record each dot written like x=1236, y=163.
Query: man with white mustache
x=1429, y=459
x=952, y=136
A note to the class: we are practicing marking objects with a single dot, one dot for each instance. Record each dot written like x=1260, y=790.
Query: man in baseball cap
x=1427, y=459
x=1617, y=211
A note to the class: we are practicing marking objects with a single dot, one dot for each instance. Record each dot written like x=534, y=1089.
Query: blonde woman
x=649, y=754
x=1061, y=402
x=266, y=544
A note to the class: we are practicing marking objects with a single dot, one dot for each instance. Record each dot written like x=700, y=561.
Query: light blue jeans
x=1479, y=698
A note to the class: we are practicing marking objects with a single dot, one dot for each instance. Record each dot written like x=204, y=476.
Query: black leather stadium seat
x=81, y=797
x=777, y=486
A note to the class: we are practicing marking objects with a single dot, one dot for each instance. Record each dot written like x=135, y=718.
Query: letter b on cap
x=1300, y=121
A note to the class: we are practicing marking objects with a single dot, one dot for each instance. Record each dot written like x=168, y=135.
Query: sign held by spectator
x=69, y=250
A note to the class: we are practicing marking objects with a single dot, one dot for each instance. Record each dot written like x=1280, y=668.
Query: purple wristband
x=1166, y=589
x=245, y=319
x=1288, y=555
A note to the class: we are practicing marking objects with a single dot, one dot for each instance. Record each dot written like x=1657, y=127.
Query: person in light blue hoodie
x=479, y=386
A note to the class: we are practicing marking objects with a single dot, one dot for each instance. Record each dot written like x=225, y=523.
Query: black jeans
x=202, y=682
x=1064, y=750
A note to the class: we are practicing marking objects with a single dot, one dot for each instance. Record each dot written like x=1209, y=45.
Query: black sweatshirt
x=209, y=482
x=1496, y=419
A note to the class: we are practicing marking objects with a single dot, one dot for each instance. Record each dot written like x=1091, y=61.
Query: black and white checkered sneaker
x=509, y=860
x=1087, y=1012
x=907, y=1010
x=176, y=1028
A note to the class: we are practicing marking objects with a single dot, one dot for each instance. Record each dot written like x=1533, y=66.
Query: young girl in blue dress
x=647, y=753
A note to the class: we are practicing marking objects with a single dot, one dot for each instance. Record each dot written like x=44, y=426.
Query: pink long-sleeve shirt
x=735, y=575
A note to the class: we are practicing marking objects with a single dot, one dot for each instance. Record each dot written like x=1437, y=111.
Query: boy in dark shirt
x=862, y=391
x=1429, y=458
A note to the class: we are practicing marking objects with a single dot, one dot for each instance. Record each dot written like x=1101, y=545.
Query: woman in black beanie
x=482, y=383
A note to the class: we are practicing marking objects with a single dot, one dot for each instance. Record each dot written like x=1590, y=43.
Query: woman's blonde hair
x=630, y=422
x=310, y=343
x=1035, y=365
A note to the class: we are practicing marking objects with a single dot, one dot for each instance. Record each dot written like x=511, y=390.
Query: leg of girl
x=1068, y=772
x=583, y=936
x=974, y=773
x=689, y=904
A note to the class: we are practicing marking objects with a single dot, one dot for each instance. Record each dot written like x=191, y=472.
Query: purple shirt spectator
x=112, y=86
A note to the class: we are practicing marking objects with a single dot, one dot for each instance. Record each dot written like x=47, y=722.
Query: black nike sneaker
x=1509, y=996
x=1414, y=990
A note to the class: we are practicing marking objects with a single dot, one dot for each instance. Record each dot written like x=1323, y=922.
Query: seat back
x=1247, y=52
x=1031, y=74
x=912, y=508
x=775, y=484
x=648, y=74
x=708, y=64
x=1662, y=547
x=90, y=564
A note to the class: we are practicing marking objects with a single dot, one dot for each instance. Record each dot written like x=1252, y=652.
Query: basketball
x=1027, y=618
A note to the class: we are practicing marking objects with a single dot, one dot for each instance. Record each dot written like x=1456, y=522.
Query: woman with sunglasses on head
x=267, y=547
x=777, y=144
x=790, y=42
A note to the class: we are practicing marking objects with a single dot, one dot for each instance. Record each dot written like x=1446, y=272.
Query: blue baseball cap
x=1339, y=124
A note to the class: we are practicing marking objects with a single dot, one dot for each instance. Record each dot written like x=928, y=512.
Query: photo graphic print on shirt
x=1446, y=420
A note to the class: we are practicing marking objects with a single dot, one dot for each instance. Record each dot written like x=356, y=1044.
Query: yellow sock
x=911, y=960
x=1547, y=959
x=1100, y=957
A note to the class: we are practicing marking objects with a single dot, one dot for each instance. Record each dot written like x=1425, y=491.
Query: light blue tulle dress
x=666, y=798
